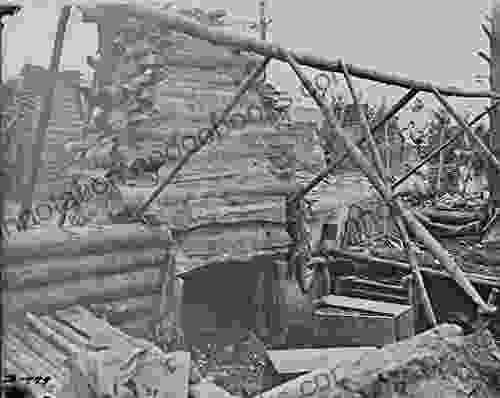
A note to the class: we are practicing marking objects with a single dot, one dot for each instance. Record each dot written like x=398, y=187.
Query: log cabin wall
x=228, y=189
x=48, y=269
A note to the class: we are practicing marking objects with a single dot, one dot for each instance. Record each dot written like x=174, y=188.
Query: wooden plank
x=26, y=355
x=333, y=330
x=377, y=307
x=307, y=360
x=101, y=332
x=38, y=345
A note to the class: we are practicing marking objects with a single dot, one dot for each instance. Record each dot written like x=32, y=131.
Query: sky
x=426, y=40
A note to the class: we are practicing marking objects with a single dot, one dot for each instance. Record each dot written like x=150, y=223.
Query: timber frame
x=116, y=14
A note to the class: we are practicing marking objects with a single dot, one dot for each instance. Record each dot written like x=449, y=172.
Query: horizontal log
x=51, y=241
x=84, y=292
x=111, y=13
x=60, y=270
x=228, y=189
x=375, y=295
x=455, y=217
x=372, y=262
x=233, y=242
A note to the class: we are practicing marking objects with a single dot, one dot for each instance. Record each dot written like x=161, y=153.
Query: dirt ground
x=238, y=368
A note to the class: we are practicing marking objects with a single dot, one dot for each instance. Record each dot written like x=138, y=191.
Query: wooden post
x=412, y=260
x=441, y=161
x=46, y=109
x=493, y=173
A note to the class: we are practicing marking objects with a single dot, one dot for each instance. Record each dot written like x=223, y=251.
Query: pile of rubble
x=442, y=362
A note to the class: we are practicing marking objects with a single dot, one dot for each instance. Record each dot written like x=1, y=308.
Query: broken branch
x=483, y=55
x=486, y=31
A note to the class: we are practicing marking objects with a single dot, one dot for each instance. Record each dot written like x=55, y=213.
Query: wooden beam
x=412, y=260
x=222, y=37
x=385, y=192
x=46, y=109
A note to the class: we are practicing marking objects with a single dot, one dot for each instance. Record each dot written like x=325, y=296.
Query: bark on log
x=451, y=217
x=87, y=291
x=53, y=242
x=56, y=271
x=220, y=37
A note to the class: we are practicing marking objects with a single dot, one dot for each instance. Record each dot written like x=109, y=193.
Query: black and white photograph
x=249, y=199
